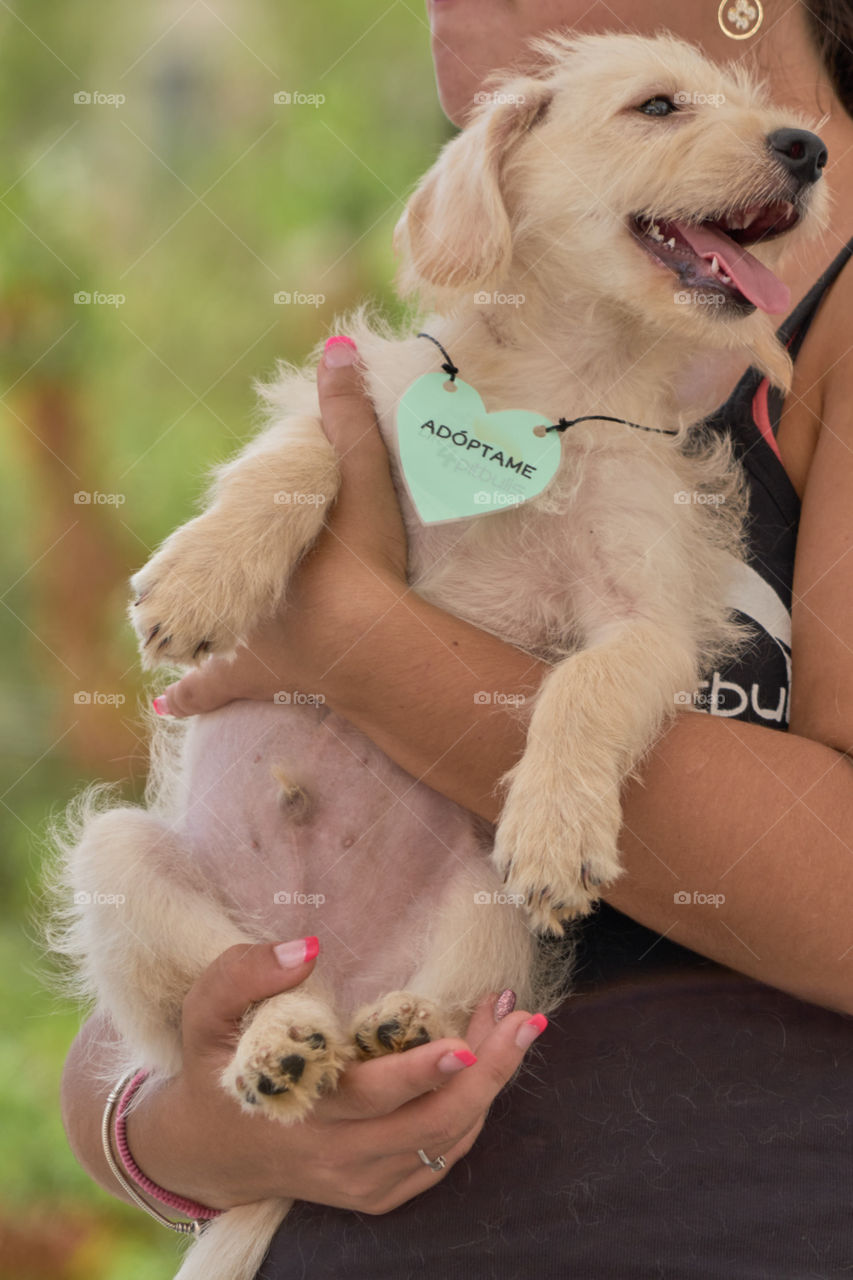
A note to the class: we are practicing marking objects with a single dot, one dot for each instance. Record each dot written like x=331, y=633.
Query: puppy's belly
x=357, y=852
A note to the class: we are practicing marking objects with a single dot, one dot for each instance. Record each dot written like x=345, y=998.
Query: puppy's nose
x=802, y=153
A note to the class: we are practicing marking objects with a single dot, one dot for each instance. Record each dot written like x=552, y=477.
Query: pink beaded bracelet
x=117, y=1104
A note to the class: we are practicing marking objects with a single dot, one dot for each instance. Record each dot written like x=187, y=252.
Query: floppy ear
x=455, y=232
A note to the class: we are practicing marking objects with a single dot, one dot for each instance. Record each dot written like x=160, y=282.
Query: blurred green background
x=147, y=167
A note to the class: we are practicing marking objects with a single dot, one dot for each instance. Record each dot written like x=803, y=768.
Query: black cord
x=449, y=367
x=563, y=425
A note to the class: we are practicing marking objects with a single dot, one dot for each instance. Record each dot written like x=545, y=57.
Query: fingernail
x=161, y=705
x=456, y=1061
x=504, y=1004
x=339, y=351
x=530, y=1030
x=291, y=954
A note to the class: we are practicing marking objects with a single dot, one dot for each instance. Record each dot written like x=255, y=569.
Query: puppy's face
x=632, y=170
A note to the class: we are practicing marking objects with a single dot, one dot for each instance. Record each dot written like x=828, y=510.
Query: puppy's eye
x=658, y=107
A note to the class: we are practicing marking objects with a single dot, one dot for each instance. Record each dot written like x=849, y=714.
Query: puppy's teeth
x=748, y=220
x=715, y=266
x=725, y=279
x=670, y=243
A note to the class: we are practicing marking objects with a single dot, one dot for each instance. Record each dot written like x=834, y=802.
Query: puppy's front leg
x=595, y=716
x=215, y=578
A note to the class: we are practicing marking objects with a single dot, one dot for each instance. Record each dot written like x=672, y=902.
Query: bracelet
x=117, y=1104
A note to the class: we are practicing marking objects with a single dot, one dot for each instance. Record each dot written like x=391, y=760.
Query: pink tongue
x=753, y=279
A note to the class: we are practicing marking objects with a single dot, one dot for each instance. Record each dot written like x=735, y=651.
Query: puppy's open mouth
x=711, y=256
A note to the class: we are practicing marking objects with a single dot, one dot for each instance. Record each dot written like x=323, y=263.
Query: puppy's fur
x=257, y=812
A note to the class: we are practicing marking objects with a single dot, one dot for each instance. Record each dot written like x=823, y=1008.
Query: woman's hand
x=358, y=1149
x=355, y=570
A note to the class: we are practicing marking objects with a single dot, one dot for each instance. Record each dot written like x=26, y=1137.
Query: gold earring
x=740, y=19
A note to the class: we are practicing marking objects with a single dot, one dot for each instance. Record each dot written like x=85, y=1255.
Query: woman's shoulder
x=822, y=391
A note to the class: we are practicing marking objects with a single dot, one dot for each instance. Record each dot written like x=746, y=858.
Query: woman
x=688, y=1110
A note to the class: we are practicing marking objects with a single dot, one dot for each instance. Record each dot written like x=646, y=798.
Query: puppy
x=599, y=230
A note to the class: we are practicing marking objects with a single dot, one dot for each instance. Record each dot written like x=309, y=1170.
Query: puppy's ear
x=455, y=232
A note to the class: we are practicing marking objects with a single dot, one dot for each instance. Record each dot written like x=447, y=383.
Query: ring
x=436, y=1165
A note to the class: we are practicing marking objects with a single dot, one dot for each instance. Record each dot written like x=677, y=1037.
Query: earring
x=740, y=19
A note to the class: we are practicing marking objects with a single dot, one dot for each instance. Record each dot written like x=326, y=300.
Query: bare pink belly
x=365, y=868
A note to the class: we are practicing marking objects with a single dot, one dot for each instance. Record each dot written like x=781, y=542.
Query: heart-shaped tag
x=460, y=461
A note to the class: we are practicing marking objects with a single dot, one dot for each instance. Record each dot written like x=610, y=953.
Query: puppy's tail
x=234, y=1245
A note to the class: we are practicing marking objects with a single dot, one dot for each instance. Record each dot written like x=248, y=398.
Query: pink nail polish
x=504, y=1004
x=161, y=705
x=292, y=954
x=530, y=1030
x=456, y=1061
x=339, y=351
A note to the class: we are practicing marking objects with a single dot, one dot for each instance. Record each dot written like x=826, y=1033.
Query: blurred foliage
x=191, y=203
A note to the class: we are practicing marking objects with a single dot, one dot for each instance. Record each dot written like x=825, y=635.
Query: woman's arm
x=722, y=807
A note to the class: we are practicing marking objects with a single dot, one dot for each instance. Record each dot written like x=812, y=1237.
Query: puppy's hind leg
x=141, y=932
x=137, y=932
x=478, y=942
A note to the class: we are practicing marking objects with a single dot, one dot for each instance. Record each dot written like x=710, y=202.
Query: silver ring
x=436, y=1165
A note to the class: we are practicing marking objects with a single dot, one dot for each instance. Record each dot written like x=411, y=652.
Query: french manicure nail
x=504, y=1004
x=161, y=705
x=456, y=1061
x=528, y=1032
x=291, y=954
x=339, y=351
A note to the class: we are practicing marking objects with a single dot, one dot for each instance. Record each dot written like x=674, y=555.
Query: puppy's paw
x=290, y=1055
x=193, y=598
x=399, y=1021
x=553, y=861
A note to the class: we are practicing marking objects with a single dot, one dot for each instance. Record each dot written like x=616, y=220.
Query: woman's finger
x=404, y=1177
x=366, y=516
x=237, y=979
x=215, y=683
x=437, y=1121
x=409, y=1106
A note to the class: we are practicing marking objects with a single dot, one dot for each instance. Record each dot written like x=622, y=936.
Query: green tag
x=459, y=461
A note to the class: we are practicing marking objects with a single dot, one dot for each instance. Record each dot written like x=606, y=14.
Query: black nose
x=802, y=153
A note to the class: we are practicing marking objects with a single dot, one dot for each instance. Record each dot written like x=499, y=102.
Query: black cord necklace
x=564, y=423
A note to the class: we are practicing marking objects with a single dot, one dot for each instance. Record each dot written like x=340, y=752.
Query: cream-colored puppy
x=598, y=231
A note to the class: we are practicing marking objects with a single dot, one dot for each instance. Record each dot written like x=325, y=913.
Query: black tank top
x=757, y=686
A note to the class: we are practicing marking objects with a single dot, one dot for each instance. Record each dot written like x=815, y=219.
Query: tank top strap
x=794, y=328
